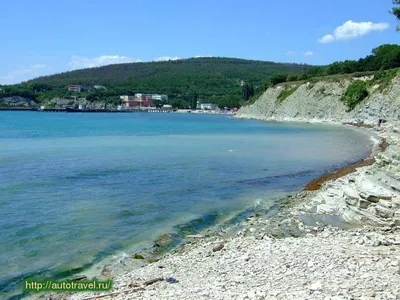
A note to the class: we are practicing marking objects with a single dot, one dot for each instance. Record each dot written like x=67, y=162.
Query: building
x=142, y=100
x=206, y=106
x=79, y=88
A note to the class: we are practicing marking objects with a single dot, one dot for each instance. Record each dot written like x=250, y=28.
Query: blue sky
x=47, y=36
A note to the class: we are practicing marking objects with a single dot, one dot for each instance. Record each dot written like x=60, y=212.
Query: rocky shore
x=306, y=251
x=341, y=241
x=327, y=263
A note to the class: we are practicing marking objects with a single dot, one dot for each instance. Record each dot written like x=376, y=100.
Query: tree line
x=384, y=57
x=224, y=81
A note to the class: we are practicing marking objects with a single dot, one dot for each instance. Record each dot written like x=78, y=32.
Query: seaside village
x=137, y=102
x=147, y=102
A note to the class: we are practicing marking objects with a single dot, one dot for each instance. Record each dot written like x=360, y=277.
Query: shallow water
x=76, y=188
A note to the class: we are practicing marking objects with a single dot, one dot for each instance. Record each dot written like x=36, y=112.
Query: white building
x=206, y=106
x=163, y=98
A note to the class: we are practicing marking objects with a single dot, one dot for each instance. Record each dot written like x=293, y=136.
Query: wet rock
x=106, y=272
x=138, y=256
x=166, y=240
x=194, y=236
x=79, y=277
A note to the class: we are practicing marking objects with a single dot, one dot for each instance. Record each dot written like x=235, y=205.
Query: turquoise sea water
x=76, y=188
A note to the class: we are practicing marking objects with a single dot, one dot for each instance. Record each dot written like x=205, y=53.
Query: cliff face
x=369, y=195
x=320, y=102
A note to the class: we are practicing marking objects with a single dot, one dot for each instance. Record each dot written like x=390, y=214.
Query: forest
x=224, y=81
x=384, y=57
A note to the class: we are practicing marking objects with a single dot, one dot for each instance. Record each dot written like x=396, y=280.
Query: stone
x=352, y=201
x=218, y=247
x=138, y=256
x=194, y=236
x=316, y=286
x=79, y=277
x=384, y=212
x=363, y=204
x=165, y=240
x=369, y=197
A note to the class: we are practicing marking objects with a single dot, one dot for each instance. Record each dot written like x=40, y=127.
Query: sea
x=78, y=188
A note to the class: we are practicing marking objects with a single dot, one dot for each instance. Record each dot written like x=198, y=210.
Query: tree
x=355, y=93
x=158, y=103
x=277, y=78
x=292, y=77
x=194, y=100
x=334, y=68
x=396, y=11
x=247, y=91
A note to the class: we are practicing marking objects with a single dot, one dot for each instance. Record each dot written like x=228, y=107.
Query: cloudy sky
x=46, y=36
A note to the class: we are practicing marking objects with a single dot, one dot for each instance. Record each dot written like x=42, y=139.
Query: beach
x=338, y=239
x=296, y=254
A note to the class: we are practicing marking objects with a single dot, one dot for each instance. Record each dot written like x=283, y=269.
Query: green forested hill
x=176, y=73
x=218, y=80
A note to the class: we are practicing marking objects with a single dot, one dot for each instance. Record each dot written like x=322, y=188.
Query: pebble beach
x=296, y=254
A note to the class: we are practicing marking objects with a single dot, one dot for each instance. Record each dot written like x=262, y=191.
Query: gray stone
x=369, y=197
x=165, y=240
x=363, y=204
x=384, y=212
x=218, y=247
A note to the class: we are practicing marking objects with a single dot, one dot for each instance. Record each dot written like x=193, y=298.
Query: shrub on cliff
x=276, y=79
x=384, y=78
x=286, y=93
x=355, y=93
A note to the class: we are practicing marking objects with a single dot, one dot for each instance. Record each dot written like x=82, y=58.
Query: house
x=206, y=106
x=79, y=88
x=142, y=100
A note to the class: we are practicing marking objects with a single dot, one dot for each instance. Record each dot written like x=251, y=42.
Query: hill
x=213, y=79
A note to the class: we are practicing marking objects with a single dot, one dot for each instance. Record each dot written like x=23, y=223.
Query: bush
x=277, y=78
x=286, y=93
x=355, y=93
x=292, y=77
x=322, y=90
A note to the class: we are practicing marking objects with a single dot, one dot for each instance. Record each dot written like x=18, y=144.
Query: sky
x=44, y=37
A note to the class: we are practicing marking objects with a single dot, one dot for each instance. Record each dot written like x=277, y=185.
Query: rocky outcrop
x=320, y=102
x=60, y=103
x=329, y=264
x=17, y=101
x=371, y=195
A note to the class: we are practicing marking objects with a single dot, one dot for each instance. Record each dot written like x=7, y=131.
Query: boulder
x=363, y=204
x=384, y=212
x=165, y=240
x=218, y=247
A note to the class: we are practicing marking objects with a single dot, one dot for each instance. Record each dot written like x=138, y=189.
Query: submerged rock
x=166, y=240
x=138, y=256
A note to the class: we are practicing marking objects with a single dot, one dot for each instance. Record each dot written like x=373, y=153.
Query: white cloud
x=329, y=38
x=352, y=30
x=201, y=56
x=290, y=53
x=308, y=53
x=24, y=73
x=79, y=62
x=166, y=58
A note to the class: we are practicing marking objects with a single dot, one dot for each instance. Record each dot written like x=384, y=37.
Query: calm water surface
x=76, y=188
